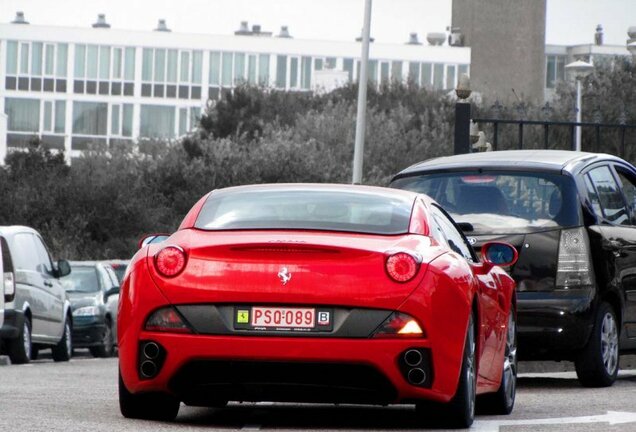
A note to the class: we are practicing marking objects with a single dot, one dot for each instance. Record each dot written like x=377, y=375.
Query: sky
x=569, y=22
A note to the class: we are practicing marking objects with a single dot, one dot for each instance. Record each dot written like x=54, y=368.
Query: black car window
x=454, y=238
x=593, y=197
x=501, y=202
x=25, y=255
x=628, y=183
x=609, y=195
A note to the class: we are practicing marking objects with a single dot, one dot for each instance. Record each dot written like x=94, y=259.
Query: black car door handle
x=48, y=284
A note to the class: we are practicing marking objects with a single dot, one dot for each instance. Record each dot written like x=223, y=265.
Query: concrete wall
x=507, y=40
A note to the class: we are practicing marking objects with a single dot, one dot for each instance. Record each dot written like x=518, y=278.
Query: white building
x=76, y=86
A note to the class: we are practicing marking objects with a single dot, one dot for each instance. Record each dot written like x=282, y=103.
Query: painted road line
x=612, y=417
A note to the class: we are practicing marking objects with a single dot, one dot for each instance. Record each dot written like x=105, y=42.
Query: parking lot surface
x=82, y=395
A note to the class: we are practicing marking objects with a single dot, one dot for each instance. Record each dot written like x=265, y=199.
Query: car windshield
x=81, y=279
x=501, y=202
x=333, y=210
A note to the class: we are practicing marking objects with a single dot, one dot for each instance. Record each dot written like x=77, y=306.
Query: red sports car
x=317, y=293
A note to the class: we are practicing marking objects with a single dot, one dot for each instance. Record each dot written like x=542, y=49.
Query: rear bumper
x=554, y=325
x=200, y=368
x=87, y=334
x=13, y=322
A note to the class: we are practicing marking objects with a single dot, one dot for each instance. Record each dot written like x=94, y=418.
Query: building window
x=555, y=70
x=215, y=68
x=157, y=121
x=396, y=71
x=60, y=117
x=263, y=69
x=384, y=72
x=293, y=72
x=226, y=71
x=347, y=65
x=281, y=71
x=23, y=114
x=251, y=69
x=305, y=73
x=90, y=118
x=438, y=76
x=36, y=66
x=239, y=68
x=450, y=76
x=104, y=70
x=414, y=72
x=426, y=78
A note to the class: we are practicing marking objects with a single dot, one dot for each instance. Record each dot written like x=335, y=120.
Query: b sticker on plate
x=323, y=318
x=242, y=316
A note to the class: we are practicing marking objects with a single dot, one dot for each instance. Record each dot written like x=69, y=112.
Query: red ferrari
x=317, y=293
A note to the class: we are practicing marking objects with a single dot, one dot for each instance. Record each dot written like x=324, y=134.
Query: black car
x=90, y=287
x=572, y=218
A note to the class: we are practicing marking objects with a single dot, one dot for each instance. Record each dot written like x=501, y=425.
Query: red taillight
x=402, y=267
x=166, y=320
x=170, y=261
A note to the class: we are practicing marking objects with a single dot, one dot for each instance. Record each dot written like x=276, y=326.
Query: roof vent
x=598, y=36
x=19, y=18
x=436, y=38
x=284, y=32
x=162, y=27
x=456, y=37
x=101, y=22
x=243, y=29
x=256, y=28
x=413, y=40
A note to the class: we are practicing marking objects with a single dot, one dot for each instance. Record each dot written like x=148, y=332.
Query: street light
x=579, y=70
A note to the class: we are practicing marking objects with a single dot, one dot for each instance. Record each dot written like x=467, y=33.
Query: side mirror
x=151, y=238
x=111, y=291
x=63, y=268
x=499, y=253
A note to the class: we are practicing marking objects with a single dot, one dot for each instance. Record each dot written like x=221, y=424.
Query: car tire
x=597, y=364
x=20, y=349
x=460, y=411
x=503, y=401
x=64, y=348
x=107, y=348
x=147, y=406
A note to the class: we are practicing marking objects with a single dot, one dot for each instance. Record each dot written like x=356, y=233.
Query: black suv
x=572, y=218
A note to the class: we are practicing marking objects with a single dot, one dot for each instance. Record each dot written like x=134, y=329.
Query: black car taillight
x=574, y=265
x=8, y=276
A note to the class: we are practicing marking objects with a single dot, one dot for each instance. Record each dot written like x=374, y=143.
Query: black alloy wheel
x=64, y=348
x=107, y=347
x=597, y=364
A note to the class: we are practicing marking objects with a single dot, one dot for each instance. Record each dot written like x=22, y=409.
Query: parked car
x=317, y=293
x=572, y=218
x=91, y=286
x=37, y=313
x=119, y=266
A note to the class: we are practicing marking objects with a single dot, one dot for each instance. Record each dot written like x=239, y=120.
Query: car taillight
x=9, y=286
x=398, y=325
x=170, y=261
x=574, y=265
x=166, y=320
x=402, y=266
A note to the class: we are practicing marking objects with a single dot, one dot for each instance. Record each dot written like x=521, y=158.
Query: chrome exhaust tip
x=148, y=369
x=413, y=358
x=151, y=350
x=416, y=376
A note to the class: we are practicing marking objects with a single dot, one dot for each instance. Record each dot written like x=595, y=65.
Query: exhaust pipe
x=148, y=369
x=151, y=350
x=413, y=358
x=416, y=376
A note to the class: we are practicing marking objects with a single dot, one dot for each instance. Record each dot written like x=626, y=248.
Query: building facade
x=71, y=87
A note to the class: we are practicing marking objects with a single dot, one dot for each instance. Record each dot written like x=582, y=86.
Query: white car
x=37, y=313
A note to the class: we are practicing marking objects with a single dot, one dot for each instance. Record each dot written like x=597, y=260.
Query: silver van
x=37, y=314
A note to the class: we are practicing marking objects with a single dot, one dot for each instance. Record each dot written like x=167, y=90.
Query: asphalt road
x=82, y=396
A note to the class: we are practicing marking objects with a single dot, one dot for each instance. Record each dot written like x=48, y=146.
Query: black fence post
x=462, y=127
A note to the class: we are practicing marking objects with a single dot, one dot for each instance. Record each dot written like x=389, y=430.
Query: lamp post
x=358, y=150
x=579, y=70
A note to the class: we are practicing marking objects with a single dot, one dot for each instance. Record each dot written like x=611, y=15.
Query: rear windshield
x=501, y=202
x=81, y=279
x=307, y=210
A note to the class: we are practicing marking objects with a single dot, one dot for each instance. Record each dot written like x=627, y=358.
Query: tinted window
x=501, y=201
x=629, y=190
x=609, y=195
x=306, y=209
x=81, y=279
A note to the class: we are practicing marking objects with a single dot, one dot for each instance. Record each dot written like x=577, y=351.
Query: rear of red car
x=283, y=307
